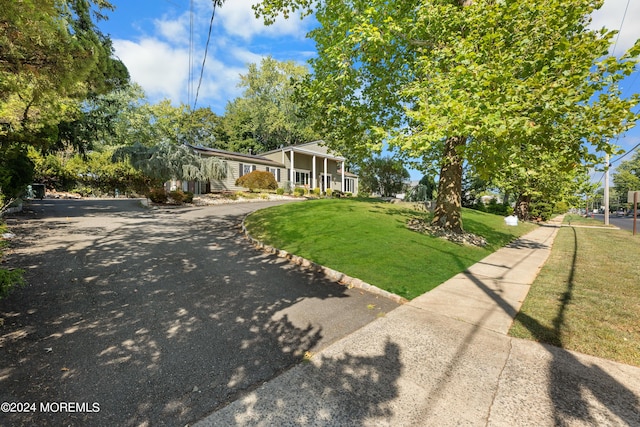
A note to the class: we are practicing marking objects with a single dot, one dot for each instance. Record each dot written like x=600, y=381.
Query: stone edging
x=336, y=276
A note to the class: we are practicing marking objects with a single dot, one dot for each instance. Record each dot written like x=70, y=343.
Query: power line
x=206, y=50
x=191, y=55
x=625, y=154
x=620, y=30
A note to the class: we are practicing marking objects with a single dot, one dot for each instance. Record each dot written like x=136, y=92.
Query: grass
x=368, y=239
x=572, y=219
x=8, y=278
x=586, y=297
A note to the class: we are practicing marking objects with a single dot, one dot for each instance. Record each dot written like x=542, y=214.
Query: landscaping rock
x=421, y=226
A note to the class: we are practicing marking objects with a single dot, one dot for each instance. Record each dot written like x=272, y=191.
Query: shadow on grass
x=569, y=376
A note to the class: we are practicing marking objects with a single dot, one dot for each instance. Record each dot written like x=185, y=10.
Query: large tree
x=51, y=56
x=453, y=81
x=267, y=114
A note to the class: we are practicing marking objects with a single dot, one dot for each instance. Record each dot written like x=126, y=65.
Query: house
x=312, y=166
x=309, y=165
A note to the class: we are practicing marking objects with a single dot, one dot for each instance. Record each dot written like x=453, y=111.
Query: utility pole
x=606, y=190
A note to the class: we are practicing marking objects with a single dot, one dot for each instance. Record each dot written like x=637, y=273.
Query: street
x=155, y=316
x=624, y=222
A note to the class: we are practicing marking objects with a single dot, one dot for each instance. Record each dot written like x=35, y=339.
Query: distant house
x=307, y=165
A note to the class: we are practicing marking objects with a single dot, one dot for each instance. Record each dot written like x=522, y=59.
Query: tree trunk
x=447, y=212
x=522, y=207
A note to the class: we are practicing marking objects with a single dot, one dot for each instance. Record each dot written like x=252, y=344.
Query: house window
x=275, y=172
x=244, y=169
x=302, y=178
x=349, y=185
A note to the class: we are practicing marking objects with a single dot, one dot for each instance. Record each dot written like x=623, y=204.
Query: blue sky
x=152, y=38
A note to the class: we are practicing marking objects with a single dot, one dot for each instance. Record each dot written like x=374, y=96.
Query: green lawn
x=368, y=239
x=587, y=297
x=570, y=219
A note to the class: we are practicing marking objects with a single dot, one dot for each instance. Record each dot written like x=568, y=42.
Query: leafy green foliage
x=267, y=115
x=158, y=195
x=383, y=175
x=166, y=161
x=10, y=279
x=92, y=174
x=627, y=176
x=258, y=180
x=53, y=56
x=419, y=193
x=449, y=82
x=16, y=172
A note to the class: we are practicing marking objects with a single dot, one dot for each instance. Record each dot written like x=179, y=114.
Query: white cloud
x=238, y=19
x=610, y=16
x=174, y=30
x=162, y=70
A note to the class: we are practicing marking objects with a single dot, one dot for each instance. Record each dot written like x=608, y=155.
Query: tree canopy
x=452, y=81
x=627, y=176
x=267, y=114
x=383, y=175
x=51, y=56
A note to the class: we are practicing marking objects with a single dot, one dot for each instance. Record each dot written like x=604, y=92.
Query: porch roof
x=306, y=149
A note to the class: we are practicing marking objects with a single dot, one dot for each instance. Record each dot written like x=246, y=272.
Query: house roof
x=214, y=152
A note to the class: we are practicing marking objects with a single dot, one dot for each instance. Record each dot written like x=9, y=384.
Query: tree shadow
x=569, y=377
x=159, y=319
x=346, y=389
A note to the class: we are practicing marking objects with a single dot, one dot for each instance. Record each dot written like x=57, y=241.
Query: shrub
x=177, y=196
x=316, y=191
x=498, y=208
x=329, y=192
x=299, y=192
x=561, y=207
x=280, y=191
x=258, y=180
x=540, y=210
x=10, y=279
x=158, y=195
x=83, y=191
x=188, y=197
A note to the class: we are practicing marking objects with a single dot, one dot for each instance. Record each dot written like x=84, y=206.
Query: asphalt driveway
x=138, y=317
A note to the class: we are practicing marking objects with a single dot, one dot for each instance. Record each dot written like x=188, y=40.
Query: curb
x=331, y=274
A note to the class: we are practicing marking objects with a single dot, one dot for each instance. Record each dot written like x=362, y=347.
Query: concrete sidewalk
x=444, y=359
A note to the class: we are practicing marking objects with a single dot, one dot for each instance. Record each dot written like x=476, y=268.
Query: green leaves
x=166, y=161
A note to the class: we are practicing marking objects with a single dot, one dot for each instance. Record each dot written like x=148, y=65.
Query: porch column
x=324, y=178
x=313, y=176
x=342, y=184
x=292, y=173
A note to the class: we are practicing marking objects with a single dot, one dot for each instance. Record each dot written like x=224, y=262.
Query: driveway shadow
x=159, y=320
x=343, y=389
